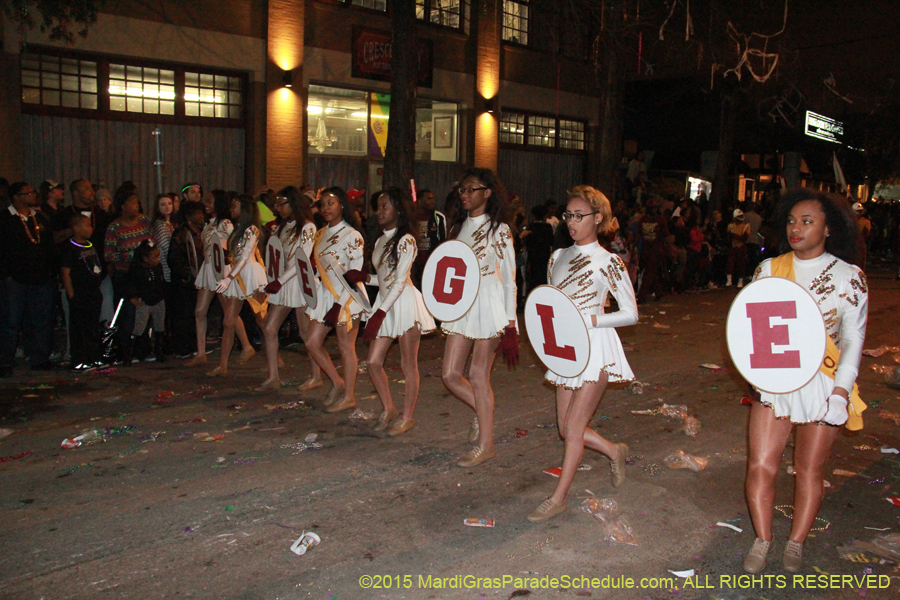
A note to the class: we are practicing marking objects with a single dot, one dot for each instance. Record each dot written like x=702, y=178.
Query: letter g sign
x=449, y=289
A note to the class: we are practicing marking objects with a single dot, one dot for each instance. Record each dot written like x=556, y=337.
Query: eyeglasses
x=281, y=201
x=31, y=193
x=577, y=217
x=470, y=190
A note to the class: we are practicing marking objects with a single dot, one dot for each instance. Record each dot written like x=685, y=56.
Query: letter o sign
x=557, y=332
x=776, y=335
x=450, y=281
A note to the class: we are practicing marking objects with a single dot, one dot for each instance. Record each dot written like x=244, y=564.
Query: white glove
x=588, y=320
x=833, y=411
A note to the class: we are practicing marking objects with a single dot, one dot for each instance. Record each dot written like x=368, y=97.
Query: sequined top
x=392, y=278
x=345, y=244
x=841, y=292
x=293, y=243
x=222, y=229
x=496, y=256
x=245, y=249
x=587, y=275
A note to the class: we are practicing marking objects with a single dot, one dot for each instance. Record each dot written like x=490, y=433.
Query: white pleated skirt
x=805, y=404
x=206, y=277
x=289, y=295
x=487, y=317
x=325, y=300
x=408, y=311
x=254, y=277
x=607, y=356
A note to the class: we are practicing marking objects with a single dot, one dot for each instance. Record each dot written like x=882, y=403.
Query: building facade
x=251, y=93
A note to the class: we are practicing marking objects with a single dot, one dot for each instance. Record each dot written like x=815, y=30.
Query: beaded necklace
x=96, y=268
x=36, y=238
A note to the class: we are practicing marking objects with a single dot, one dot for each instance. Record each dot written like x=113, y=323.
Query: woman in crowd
x=588, y=273
x=819, y=243
x=399, y=310
x=216, y=232
x=163, y=228
x=483, y=224
x=245, y=277
x=296, y=233
x=338, y=241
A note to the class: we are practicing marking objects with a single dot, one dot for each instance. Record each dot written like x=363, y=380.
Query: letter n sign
x=765, y=335
x=274, y=262
x=545, y=312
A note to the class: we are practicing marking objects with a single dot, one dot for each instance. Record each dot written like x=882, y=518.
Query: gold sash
x=783, y=266
x=345, y=310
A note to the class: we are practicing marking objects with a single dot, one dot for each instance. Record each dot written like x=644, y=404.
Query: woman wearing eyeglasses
x=483, y=224
x=296, y=233
x=587, y=273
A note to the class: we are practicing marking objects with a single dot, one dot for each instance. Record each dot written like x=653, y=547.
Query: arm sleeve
x=353, y=250
x=763, y=270
x=503, y=246
x=251, y=237
x=406, y=255
x=855, y=304
x=177, y=257
x=623, y=291
x=550, y=266
x=162, y=236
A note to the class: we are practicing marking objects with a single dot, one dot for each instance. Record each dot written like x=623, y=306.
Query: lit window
x=447, y=13
x=541, y=131
x=571, y=135
x=141, y=90
x=55, y=81
x=207, y=95
x=373, y=4
x=512, y=128
x=515, y=21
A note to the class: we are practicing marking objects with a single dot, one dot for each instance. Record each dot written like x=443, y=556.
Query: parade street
x=197, y=487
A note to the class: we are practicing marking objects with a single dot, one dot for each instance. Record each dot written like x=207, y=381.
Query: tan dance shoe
x=384, y=419
x=246, y=355
x=547, y=510
x=755, y=561
x=477, y=456
x=400, y=427
x=197, y=359
x=341, y=405
x=310, y=384
x=269, y=385
x=617, y=467
x=218, y=371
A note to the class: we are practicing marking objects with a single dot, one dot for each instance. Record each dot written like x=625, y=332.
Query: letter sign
x=450, y=281
x=766, y=335
x=449, y=289
x=551, y=317
x=545, y=312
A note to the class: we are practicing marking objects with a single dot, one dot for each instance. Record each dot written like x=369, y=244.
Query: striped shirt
x=122, y=240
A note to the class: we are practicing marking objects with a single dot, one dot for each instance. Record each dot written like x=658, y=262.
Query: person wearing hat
x=53, y=194
x=864, y=227
x=737, y=254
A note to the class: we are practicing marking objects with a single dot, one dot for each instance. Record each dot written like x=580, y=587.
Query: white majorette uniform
x=587, y=275
x=290, y=294
x=249, y=273
x=402, y=303
x=345, y=244
x=495, y=304
x=842, y=294
x=212, y=231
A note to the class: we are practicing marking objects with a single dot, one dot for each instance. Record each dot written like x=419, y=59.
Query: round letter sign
x=557, y=332
x=776, y=335
x=450, y=281
x=274, y=259
x=308, y=282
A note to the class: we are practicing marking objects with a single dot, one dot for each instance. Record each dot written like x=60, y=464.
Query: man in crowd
x=27, y=281
x=653, y=232
x=432, y=231
x=53, y=196
x=754, y=252
x=184, y=259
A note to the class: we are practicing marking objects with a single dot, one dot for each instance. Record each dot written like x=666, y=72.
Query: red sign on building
x=372, y=56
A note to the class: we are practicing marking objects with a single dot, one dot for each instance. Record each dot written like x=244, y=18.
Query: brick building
x=244, y=93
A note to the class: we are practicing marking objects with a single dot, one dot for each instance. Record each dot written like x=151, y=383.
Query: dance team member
x=587, y=273
x=820, y=233
x=215, y=231
x=296, y=232
x=246, y=276
x=483, y=224
x=399, y=310
x=335, y=308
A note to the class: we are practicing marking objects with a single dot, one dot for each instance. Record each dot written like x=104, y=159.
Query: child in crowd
x=146, y=291
x=81, y=276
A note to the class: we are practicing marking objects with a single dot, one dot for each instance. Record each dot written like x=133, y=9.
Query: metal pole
x=158, y=163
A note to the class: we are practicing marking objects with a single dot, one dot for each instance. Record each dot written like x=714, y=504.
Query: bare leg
x=767, y=436
x=239, y=328
x=347, y=347
x=409, y=364
x=480, y=378
x=315, y=345
x=274, y=318
x=456, y=352
x=574, y=410
x=378, y=349
x=813, y=447
x=204, y=299
x=232, y=308
x=303, y=324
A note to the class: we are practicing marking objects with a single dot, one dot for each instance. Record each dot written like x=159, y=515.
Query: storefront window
x=336, y=121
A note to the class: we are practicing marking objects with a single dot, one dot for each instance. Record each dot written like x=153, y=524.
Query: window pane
x=515, y=21
x=31, y=95
x=70, y=82
x=51, y=80
x=89, y=101
x=70, y=99
x=234, y=112
x=116, y=71
x=151, y=75
x=151, y=107
x=221, y=111
x=134, y=104
x=117, y=103
x=134, y=73
x=31, y=62
x=234, y=83
x=167, y=77
x=69, y=66
x=167, y=92
x=191, y=94
x=191, y=79
x=166, y=107
x=221, y=82
x=337, y=121
x=49, y=63
x=207, y=110
x=88, y=84
x=234, y=98
x=50, y=98
x=192, y=109
x=31, y=78
x=206, y=80
x=89, y=68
